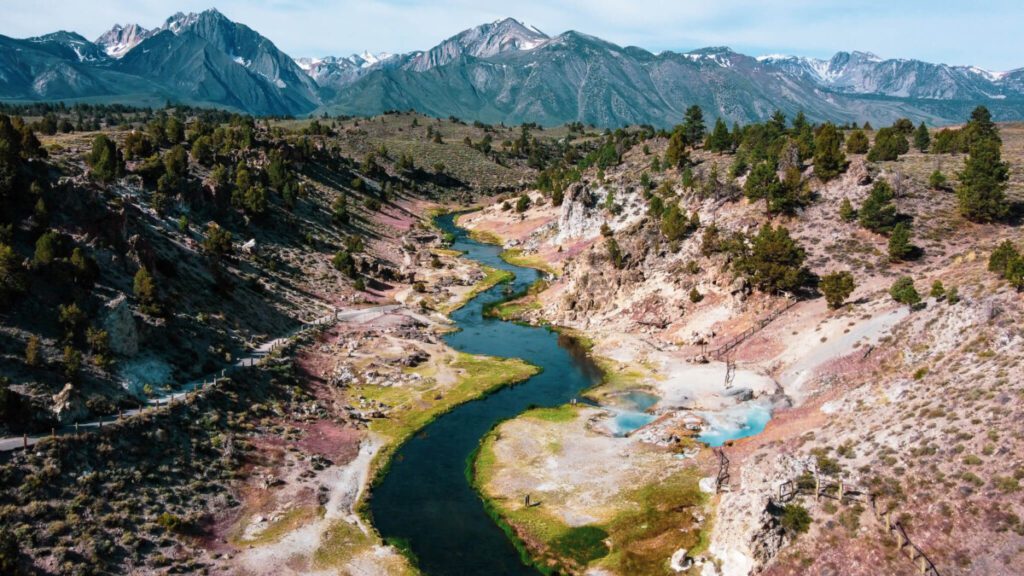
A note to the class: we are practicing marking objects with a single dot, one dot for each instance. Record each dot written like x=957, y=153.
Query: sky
x=985, y=33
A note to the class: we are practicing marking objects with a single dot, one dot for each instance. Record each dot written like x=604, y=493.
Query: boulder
x=68, y=405
x=119, y=322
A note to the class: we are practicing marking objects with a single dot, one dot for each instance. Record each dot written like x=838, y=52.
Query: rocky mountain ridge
x=502, y=71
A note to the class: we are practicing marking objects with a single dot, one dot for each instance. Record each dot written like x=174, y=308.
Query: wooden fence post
x=840, y=491
x=817, y=486
x=24, y=441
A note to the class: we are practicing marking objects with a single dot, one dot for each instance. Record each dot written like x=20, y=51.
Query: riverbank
x=581, y=499
x=380, y=382
x=691, y=400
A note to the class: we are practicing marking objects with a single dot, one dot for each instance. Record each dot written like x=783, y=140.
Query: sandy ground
x=292, y=553
x=578, y=473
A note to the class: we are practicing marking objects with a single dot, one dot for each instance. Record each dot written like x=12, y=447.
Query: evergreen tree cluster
x=1006, y=261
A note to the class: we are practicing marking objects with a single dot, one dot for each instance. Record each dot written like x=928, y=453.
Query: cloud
x=982, y=32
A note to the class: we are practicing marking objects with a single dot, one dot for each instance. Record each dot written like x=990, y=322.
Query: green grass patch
x=517, y=257
x=288, y=522
x=582, y=544
x=342, y=542
x=415, y=405
x=582, y=339
x=619, y=377
x=659, y=522
x=493, y=277
x=484, y=236
x=563, y=413
x=512, y=310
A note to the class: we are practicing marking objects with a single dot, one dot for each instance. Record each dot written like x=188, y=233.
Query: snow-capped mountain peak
x=867, y=73
x=484, y=41
x=117, y=41
x=71, y=43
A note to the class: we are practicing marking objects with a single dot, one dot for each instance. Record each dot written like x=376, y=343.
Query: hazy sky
x=987, y=33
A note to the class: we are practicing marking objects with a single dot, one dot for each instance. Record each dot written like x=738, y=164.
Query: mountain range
x=504, y=71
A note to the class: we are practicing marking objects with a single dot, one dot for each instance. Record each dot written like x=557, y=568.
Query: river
x=425, y=499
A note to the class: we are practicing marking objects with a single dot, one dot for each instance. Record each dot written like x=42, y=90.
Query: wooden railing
x=735, y=341
x=825, y=487
x=722, y=480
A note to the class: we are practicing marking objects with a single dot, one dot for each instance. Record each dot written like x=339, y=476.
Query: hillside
x=218, y=331
x=913, y=408
x=199, y=265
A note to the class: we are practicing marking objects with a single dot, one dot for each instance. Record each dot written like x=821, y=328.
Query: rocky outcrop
x=119, y=322
x=580, y=217
x=747, y=533
x=68, y=405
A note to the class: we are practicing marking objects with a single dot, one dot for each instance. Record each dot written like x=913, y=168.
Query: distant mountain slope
x=202, y=58
x=60, y=68
x=207, y=58
x=502, y=71
x=576, y=77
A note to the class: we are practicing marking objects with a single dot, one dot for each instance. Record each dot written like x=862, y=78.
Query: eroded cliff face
x=748, y=534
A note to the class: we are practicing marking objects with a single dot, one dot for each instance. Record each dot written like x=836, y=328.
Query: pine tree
x=775, y=262
x=344, y=262
x=857, y=143
x=889, y=144
x=900, y=247
x=104, y=160
x=837, y=287
x=846, y=211
x=980, y=127
x=695, y=295
x=792, y=194
x=523, y=203
x=1002, y=257
x=763, y=184
x=693, y=125
x=144, y=287
x=982, y=191
x=12, y=275
x=71, y=318
x=674, y=223
x=922, y=139
x=719, y=140
x=878, y=213
x=614, y=253
x=676, y=155
x=829, y=160
x=47, y=248
x=33, y=352
x=85, y=268
x=903, y=291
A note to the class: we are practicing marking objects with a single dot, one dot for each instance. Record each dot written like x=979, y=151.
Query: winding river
x=425, y=499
